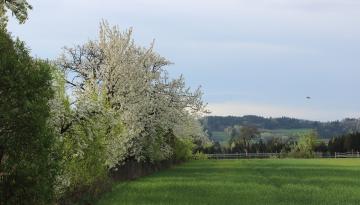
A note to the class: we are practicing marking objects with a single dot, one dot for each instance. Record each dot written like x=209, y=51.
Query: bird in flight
x=308, y=97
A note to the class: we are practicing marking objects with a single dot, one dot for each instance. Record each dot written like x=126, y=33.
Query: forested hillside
x=325, y=129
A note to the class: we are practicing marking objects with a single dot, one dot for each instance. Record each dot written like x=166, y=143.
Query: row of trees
x=324, y=129
x=217, y=123
x=65, y=124
x=248, y=139
x=345, y=143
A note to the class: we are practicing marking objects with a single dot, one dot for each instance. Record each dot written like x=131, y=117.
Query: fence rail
x=242, y=155
x=277, y=155
x=347, y=155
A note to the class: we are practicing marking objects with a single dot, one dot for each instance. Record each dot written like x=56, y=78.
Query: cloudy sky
x=258, y=57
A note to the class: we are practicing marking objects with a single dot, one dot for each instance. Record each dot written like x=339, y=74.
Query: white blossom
x=133, y=84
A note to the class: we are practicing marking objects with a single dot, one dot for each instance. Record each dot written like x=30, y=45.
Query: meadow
x=255, y=181
x=283, y=132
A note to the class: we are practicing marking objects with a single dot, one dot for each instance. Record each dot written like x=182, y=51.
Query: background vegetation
x=280, y=135
x=289, y=126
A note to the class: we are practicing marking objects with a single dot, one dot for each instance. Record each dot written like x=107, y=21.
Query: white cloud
x=247, y=47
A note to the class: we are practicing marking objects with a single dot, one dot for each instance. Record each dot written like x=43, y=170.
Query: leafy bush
x=85, y=146
x=183, y=149
x=305, y=146
x=200, y=156
x=28, y=161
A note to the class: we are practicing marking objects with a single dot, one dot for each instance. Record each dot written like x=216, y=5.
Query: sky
x=258, y=57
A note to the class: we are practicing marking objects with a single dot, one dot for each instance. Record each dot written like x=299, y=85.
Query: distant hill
x=279, y=126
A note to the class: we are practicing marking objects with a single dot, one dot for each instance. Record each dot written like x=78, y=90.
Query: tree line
x=247, y=139
x=324, y=129
x=66, y=123
x=345, y=143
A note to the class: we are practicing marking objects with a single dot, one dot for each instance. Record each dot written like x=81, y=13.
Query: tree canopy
x=18, y=8
x=27, y=163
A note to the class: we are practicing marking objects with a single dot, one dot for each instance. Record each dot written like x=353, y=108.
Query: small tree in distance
x=305, y=146
x=241, y=137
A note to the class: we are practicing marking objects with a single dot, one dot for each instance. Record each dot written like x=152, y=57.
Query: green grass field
x=267, y=181
x=283, y=132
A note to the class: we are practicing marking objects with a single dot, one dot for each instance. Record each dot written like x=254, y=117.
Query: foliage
x=65, y=126
x=305, y=146
x=19, y=8
x=324, y=129
x=241, y=137
x=266, y=135
x=123, y=106
x=200, y=156
x=345, y=143
x=259, y=145
x=214, y=148
x=27, y=153
x=191, y=129
x=291, y=145
x=134, y=83
x=88, y=147
x=183, y=149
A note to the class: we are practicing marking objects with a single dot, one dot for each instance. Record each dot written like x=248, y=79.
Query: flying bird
x=308, y=97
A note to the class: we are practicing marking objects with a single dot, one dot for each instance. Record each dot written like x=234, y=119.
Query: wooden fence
x=278, y=155
x=243, y=155
x=347, y=155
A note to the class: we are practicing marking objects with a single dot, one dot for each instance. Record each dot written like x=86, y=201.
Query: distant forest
x=324, y=129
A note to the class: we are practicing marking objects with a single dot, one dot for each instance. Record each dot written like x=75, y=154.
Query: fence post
x=335, y=154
